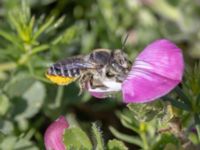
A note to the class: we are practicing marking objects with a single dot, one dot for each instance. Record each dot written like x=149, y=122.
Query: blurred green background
x=36, y=33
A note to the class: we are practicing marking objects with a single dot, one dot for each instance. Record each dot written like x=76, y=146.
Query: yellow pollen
x=60, y=80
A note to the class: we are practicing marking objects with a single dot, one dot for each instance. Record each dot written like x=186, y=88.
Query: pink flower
x=53, y=137
x=155, y=72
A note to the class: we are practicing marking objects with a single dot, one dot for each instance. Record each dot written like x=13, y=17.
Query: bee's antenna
x=124, y=42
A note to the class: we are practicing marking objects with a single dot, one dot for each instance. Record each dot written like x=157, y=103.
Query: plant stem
x=143, y=135
x=58, y=98
x=144, y=140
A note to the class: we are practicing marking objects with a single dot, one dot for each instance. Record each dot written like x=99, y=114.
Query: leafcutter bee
x=102, y=69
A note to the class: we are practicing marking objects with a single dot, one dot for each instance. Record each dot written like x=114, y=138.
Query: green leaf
x=8, y=143
x=193, y=137
x=39, y=49
x=44, y=27
x=98, y=137
x=11, y=38
x=2, y=136
x=198, y=131
x=28, y=95
x=129, y=125
x=15, y=22
x=166, y=10
x=14, y=143
x=197, y=118
x=66, y=37
x=183, y=96
x=128, y=121
x=18, y=85
x=7, y=66
x=170, y=146
x=31, y=24
x=116, y=145
x=57, y=23
x=177, y=103
x=164, y=140
x=24, y=144
x=76, y=138
x=4, y=103
x=198, y=100
x=34, y=97
x=146, y=112
x=127, y=138
x=6, y=127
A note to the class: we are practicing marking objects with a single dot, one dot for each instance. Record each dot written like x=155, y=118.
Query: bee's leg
x=80, y=89
x=83, y=80
x=81, y=85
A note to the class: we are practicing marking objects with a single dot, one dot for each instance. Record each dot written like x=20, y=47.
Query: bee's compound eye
x=115, y=65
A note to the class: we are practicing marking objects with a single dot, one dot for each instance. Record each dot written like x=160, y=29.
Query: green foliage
x=11, y=142
x=35, y=34
x=75, y=138
x=158, y=125
x=164, y=142
x=4, y=101
x=98, y=139
x=116, y=145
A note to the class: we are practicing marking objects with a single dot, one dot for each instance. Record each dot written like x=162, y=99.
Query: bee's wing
x=75, y=63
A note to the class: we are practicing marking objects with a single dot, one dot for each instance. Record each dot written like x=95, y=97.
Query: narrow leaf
x=183, y=97
x=177, y=103
x=127, y=138
x=46, y=25
x=39, y=49
x=11, y=38
x=198, y=131
x=98, y=137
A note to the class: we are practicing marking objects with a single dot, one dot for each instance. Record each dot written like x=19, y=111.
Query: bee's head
x=119, y=62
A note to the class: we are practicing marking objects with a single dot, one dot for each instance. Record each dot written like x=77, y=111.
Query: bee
x=102, y=70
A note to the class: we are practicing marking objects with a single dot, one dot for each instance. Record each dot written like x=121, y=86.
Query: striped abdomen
x=63, y=71
x=68, y=68
x=66, y=71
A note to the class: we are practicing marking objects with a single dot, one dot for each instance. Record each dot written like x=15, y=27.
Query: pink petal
x=99, y=95
x=53, y=137
x=156, y=71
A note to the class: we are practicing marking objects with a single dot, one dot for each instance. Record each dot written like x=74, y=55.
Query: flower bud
x=53, y=137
